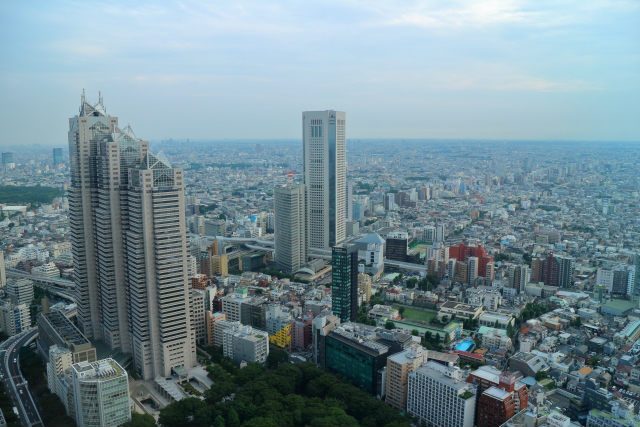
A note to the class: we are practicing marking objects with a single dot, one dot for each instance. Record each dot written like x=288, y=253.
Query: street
x=15, y=385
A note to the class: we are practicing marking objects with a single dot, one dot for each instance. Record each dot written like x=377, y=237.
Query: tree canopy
x=289, y=395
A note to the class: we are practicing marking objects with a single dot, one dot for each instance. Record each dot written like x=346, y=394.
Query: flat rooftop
x=65, y=328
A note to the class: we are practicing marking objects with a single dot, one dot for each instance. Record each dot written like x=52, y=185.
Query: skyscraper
x=566, y=265
x=129, y=244
x=325, y=174
x=290, y=227
x=57, y=156
x=344, y=283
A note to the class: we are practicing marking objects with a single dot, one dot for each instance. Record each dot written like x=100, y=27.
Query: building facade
x=290, y=227
x=129, y=244
x=325, y=176
x=344, y=283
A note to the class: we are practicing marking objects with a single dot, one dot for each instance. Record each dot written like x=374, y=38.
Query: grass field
x=417, y=315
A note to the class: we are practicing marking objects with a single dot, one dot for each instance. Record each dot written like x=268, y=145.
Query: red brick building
x=462, y=252
x=500, y=397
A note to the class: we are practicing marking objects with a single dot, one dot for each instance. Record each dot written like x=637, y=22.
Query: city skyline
x=485, y=70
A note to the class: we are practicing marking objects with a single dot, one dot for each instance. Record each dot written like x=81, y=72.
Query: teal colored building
x=360, y=360
x=344, y=283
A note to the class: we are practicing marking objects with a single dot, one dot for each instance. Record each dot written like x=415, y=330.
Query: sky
x=479, y=69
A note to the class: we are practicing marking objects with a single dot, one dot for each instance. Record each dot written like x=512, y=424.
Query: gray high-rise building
x=325, y=176
x=290, y=227
x=129, y=244
x=57, y=156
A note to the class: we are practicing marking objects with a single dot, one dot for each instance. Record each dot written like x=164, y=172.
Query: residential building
x=245, y=344
x=14, y=318
x=210, y=321
x=101, y=393
x=462, y=252
x=438, y=395
x=399, y=366
x=290, y=227
x=325, y=176
x=20, y=291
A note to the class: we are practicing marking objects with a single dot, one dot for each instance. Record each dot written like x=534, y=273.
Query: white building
x=440, y=396
x=494, y=339
x=290, y=227
x=48, y=269
x=246, y=344
x=325, y=176
x=20, y=291
x=370, y=254
x=101, y=393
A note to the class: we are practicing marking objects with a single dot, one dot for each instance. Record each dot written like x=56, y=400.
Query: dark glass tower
x=344, y=282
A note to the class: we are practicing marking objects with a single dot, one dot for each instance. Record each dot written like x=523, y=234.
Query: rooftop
x=497, y=393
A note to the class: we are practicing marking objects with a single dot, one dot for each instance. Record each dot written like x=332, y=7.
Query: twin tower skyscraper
x=313, y=215
x=129, y=244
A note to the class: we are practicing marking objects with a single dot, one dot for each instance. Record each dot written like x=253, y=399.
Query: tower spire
x=100, y=98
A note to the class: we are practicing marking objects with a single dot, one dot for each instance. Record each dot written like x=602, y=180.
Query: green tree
x=233, y=420
x=401, y=310
x=540, y=375
x=510, y=331
x=389, y=325
x=415, y=332
x=140, y=420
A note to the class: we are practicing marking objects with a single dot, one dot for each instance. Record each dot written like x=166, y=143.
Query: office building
x=397, y=246
x=500, y=396
x=48, y=270
x=7, y=161
x=290, y=227
x=399, y=366
x=20, y=291
x=58, y=158
x=101, y=393
x=370, y=254
x=344, y=282
x=325, y=176
x=439, y=396
x=349, y=209
x=60, y=360
x=55, y=329
x=243, y=343
x=356, y=354
x=232, y=304
x=129, y=244
x=210, y=320
x=14, y=318
x=321, y=326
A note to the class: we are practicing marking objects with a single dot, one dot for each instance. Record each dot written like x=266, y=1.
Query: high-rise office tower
x=129, y=244
x=290, y=227
x=344, y=282
x=566, y=266
x=57, y=156
x=325, y=176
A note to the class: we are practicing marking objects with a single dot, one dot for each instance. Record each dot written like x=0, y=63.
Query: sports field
x=417, y=315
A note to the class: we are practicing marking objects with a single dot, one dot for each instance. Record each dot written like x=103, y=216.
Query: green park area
x=416, y=314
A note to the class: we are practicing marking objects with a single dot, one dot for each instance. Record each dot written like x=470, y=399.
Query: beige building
x=290, y=227
x=399, y=366
x=211, y=319
x=325, y=176
x=129, y=244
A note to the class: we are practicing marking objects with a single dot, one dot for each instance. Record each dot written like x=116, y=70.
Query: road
x=15, y=385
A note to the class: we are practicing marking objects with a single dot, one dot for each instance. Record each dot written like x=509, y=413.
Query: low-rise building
x=245, y=344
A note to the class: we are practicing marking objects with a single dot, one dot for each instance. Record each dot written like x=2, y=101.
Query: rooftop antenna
x=290, y=177
x=99, y=97
x=82, y=97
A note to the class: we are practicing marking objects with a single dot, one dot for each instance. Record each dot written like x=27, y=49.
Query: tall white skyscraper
x=325, y=174
x=290, y=227
x=129, y=244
